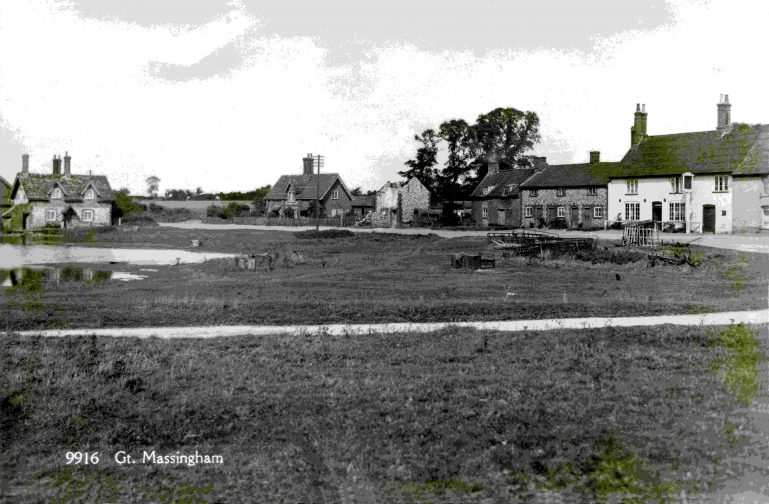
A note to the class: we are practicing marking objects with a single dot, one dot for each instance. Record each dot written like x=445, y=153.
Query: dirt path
x=707, y=319
x=747, y=243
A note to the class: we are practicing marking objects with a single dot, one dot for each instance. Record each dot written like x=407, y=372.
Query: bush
x=212, y=211
x=139, y=220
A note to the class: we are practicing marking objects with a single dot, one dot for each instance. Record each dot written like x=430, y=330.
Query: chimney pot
x=595, y=157
x=721, y=98
x=643, y=107
x=637, y=107
x=726, y=98
x=67, y=159
x=25, y=164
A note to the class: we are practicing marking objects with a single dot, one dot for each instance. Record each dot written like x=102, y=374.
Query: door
x=538, y=216
x=551, y=215
x=24, y=221
x=766, y=217
x=501, y=216
x=587, y=217
x=656, y=211
x=708, y=218
x=574, y=217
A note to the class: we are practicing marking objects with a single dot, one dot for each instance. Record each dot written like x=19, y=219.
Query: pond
x=16, y=256
x=34, y=277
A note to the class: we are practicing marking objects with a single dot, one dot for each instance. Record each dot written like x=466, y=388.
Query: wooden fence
x=640, y=236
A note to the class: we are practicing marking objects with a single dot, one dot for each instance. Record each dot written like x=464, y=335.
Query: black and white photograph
x=359, y=251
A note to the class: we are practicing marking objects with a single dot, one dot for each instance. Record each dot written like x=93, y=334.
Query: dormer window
x=486, y=190
x=56, y=193
x=561, y=191
x=291, y=197
x=508, y=190
x=90, y=194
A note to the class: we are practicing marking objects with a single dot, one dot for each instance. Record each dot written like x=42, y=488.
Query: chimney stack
x=724, y=116
x=67, y=159
x=595, y=156
x=540, y=163
x=25, y=164
x=308, y=164
x=56, y=165
x=638, y=130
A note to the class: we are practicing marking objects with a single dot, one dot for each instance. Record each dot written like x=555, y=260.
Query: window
x=632, y=211
x=592, y=191
x=335, y=195
x=90, y=194
x=485, y=213
x=291, y=197
x=335, y=212
x=486, y=190
x=632, y=186
x=597, y=212
x=532, y=193
x=722, y=183
x=56, y=193
x=677, y=211
x=50, y=215
x=88, y=215
x=561, y=191
x=688, y=182
x=561, y=211
x=508, y=190
x=675, y=185
x=528, y=212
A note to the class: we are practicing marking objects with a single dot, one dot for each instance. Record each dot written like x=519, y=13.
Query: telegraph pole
x=320, y=159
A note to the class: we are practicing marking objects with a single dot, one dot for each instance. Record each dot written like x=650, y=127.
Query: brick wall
x=342, y=204
x=575, y=197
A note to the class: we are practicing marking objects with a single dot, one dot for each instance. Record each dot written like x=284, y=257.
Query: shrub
x=139, y=220
x=329, y=233
x=212, y=211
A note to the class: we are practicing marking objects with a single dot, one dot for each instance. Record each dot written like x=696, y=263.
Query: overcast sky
x=228, y=95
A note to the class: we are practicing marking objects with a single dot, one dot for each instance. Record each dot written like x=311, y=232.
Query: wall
x=413, y=196
x=385, y=213
x=575, y=196
x=511, y=206
x=747, y=201
x=102, y=215
x=659, y=189
x=344, y=203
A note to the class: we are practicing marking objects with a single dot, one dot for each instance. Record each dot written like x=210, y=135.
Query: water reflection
x=34, y=277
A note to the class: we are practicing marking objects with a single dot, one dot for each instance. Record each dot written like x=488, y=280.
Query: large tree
x=426, y=159
x=153, y=183
x=455, y=133
x=504, y=135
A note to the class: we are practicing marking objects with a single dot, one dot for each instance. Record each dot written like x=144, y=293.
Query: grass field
x=451, y=416
x=377, y=278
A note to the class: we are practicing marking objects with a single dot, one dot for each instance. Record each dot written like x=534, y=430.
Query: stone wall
x=575, y=197
x=413, y=196
x=102, y=214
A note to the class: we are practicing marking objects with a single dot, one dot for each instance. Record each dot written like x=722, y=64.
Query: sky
x=228, y=95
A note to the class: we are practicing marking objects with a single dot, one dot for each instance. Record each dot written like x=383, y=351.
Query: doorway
x=656, y=211
x=587, y=217
x=24, y=221
x=538, y=216
x=501, y=216
x=551, y=214
x=708, y=218
x=574, y=217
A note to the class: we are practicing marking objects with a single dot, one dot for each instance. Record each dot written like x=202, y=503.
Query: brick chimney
x=638, y=130
x=67, y=159
x=595, y=156
x=539, y=162
x=492, y=167
x=56, y=165
x=25, y=164
x=308, y=164
x=724, y=116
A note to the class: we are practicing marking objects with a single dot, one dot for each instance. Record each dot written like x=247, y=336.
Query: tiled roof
x=573, y=175
x=305, y=186
x=364, y=201
x=743, y=151
x=497, y=182
x=5, y=182
x=37, y=186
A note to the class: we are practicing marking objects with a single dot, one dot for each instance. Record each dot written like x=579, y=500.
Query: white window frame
x=677, y=211
x=485, y=212
x=291, y=197
x=561, y=212
x=528, y=211
x=335, y=194
x=87, y=215
x=561, y=191
x=592, y=191
x=533, y=193
x=90, y=193
x=676, y=185
x=485, y=191
x=722, y=183
x=632, y=186
x=56, y=193
x=598, y=212
x=51, y=214
x=632, y=211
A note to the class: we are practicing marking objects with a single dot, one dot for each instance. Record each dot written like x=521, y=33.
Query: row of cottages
x=570, y=196
x=60, y=198
x=497, y=199
x=398, y=205
x=295, y=196
x=712, y=181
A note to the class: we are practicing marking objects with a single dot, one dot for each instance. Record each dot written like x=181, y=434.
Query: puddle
x=49, y=274
x=15, y=256
x=147, y=269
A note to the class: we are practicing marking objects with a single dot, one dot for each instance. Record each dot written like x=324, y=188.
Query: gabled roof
x=364, y=201
x=743, y=151
x=5, y=182
x=496, y=182
x=37, y=186
x=572, y=175
x=305, y=186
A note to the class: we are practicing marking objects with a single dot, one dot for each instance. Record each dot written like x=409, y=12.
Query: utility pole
x=320, y=160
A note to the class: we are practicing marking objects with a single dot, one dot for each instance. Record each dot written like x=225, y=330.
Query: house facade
x=5, y=198
x=711, y=181
x=572, y=196
x=294, y=196
x=362, y=205
x=497, y=199
x=59, y=198
x=398, y=205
